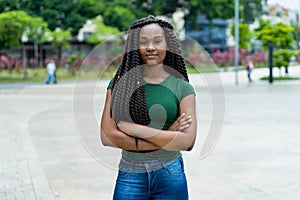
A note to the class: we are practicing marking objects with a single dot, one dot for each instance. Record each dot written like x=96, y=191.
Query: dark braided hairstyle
x=128, y=94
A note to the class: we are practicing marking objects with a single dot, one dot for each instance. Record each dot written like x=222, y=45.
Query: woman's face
x=152, y=44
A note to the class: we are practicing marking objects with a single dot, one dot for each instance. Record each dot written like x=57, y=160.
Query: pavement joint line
x=38, y=178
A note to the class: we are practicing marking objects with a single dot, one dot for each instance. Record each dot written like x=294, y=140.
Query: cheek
x=163, y=50
x=142, y=54
x=162, y=54
x=142, y=51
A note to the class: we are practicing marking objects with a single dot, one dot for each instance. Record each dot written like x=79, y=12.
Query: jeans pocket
x=123, y=174
x=124, y=170
x=176, y=168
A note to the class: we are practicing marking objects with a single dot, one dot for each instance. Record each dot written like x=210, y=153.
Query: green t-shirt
x=162, y=101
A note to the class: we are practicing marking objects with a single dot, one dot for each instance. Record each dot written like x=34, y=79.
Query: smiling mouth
x=152, y=56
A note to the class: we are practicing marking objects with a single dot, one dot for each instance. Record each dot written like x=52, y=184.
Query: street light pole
x=270, y=46
x=24, y=61
x=36, y=50
x=270, y=62
x=297, y=33
x=24, y=39
x=236, y=38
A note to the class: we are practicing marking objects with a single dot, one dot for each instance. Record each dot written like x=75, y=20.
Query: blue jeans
x=52, y=78
x=142, y=180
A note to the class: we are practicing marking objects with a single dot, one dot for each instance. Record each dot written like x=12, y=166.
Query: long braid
x=174, y=58
x=128, y=94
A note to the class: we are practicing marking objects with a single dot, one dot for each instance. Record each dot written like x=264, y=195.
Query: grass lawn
x=39, y=75
x=281, y=78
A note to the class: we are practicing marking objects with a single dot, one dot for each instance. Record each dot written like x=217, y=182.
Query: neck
x=155, y=74
x=154, y=71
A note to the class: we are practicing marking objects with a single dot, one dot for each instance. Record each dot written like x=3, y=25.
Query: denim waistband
x=144, y=166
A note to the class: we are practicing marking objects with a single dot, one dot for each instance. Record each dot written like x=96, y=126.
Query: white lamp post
x=24, y=39
x=236, y=37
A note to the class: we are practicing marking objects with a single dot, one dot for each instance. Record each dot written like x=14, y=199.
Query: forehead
x=151, y=31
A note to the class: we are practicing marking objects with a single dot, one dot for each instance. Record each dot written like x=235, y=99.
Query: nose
x=150, y=47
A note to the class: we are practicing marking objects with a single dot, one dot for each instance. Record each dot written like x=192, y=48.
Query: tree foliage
x=57, y=13
x=118, y=16
x=279, y=34
x=250, y=11
x=60, y=38
x=245, y=35
x=14, y=23
x=213, y=8
x=119, y=13
x=282, y=57
x=102, y=31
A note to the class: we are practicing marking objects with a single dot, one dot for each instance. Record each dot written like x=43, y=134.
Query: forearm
x=121, y=140
x=164, y=139
x=173, y=139
x=113, y=137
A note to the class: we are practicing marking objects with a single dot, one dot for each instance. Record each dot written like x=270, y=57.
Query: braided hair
x=128, y=94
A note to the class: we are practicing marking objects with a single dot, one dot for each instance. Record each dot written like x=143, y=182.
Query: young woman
x=150, y=114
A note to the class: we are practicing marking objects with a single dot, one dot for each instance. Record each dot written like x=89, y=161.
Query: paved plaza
x=50, y=147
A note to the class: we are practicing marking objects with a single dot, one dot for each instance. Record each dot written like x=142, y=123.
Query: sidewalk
x=229, y=78
x=45, y=156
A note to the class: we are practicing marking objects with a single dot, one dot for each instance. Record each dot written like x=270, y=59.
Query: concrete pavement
x=47, y=154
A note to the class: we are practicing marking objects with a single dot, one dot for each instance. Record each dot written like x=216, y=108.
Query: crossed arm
x=180, y=136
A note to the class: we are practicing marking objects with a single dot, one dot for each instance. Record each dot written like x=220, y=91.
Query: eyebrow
x=158, y=36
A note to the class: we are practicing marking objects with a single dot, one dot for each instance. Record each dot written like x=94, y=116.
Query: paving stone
x=257, y=157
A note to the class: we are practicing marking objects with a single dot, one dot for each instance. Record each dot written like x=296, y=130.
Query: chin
x=153, y=63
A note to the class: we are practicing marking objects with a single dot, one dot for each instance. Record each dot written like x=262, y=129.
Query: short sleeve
x=186, y=89
x=110, y=83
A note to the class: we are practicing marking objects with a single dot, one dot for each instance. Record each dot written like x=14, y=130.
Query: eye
x=143, y=43
x=157, y=42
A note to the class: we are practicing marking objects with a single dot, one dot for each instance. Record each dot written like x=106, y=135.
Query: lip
x=151, y=56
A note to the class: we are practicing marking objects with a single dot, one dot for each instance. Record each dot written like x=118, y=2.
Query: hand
x=131, y=129
x=181, y=123
x=123, y=126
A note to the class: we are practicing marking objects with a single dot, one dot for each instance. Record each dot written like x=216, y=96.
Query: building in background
x=210, y=36
x=276, y=13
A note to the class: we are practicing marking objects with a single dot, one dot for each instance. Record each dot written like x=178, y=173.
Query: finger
x=180, y=117
x=182, y=128
x=174, y=126
x=185, y=117
x=189, y=121
x=185, y=122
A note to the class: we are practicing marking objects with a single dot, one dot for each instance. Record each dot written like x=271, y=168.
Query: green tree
x=59, y=38
x=250, y=10
x=157, y=7
x=282, y=58
x=12, y=26
x=245, y=35
x=279, y=34
x=118, y=16
x=296, y=33
x=57, y=13
x=14, y=23
x=101, y=32
x=213, y=8
x=10, y=5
